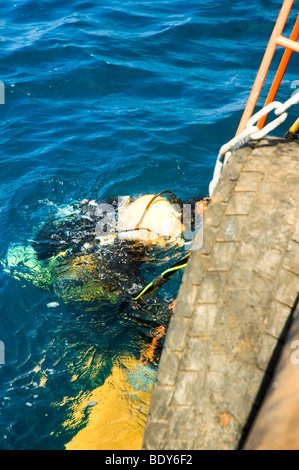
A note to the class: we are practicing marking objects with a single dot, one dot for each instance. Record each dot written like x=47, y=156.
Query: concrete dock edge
x=235, y=300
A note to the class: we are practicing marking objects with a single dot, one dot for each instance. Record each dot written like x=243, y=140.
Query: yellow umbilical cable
x=293, y=132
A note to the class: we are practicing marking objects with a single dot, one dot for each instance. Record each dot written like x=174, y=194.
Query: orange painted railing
x=291, y=45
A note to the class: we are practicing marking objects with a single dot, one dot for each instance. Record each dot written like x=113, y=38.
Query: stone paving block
x=265, y=148
x=277, y=317
x=288, y=147
x=193, y=355
x=291, y=259
x=239, y=343
x=177, y=334
x=295, y=156
x=223, y=190
x=234, y=401
x=194, y=272
x=169, y=362
x=231, y=228
x=188, y=419
x=242, y=309
x=268, y=196
x=222, y=436
x=209, y=234
x=215, y=381
x=161, y=400
x=248, y=251
x=257, y=256
x=286, y=210
x=257, y=152
x=261, y=290
x=286, y=288
x=240, y=275
x=257, y=164
x=295, y=234
x=232, y=170
x=241, y=155
x=240, y=203
x=211, y=287
x=176, y=444
x=188, y=387
x=292, y=187
x=269, y=262
x=270, y=234
x=254, y=398
x=187, y=296
x=249, y=181
x=283, y=166
x=214, y=213
x=203, y=319
x=155, y=433
x=223, y=256
x=263, y=215
x=267, y=346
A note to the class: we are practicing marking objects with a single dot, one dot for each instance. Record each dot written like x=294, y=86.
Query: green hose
x=162, y=278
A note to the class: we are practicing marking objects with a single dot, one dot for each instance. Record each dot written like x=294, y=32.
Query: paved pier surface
x=234, y=306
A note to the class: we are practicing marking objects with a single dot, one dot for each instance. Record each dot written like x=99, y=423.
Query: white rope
x=252, y=132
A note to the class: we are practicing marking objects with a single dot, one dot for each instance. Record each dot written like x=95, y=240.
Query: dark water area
x=107, y=99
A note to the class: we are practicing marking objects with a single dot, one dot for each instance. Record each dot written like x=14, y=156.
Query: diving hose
x=174, y=198
x=163, y=277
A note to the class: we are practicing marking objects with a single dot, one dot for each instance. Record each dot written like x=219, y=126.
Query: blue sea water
x=106, y=99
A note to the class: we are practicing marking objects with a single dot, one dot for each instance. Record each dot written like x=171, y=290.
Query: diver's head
x=150, y=219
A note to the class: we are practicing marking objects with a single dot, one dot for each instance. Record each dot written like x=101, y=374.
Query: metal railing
x=291, y=45
x=251, y=126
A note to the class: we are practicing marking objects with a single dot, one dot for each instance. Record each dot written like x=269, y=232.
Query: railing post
x=280, y=73
x=264, y=67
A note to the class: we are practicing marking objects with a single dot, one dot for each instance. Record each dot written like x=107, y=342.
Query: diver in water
x=94, y=258
x=96, y=253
